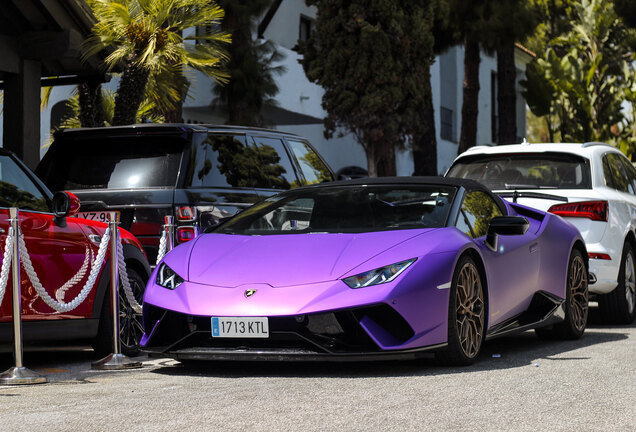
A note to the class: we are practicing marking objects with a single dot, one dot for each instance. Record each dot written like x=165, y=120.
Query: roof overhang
x=48, y=31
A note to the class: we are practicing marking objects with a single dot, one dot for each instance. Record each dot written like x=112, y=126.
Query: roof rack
x=595, y=143
x=478, y=146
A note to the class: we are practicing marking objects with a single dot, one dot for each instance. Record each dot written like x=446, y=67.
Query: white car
x=592, y=185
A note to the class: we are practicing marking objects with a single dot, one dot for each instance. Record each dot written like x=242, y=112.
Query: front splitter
x=291, y=354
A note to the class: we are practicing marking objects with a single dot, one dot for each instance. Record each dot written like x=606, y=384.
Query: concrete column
x=21, y=129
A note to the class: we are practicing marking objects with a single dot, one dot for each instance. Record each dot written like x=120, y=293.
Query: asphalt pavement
x=520, y=383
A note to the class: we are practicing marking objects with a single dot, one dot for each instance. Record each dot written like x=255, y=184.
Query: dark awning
x=48, y=31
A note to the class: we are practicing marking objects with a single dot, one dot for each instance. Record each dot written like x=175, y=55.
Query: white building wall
x=447, y=150
x=295, y=92
x=484, y=118
x=284, y=27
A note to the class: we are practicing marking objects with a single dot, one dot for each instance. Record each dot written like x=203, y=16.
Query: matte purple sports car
x=369, y=269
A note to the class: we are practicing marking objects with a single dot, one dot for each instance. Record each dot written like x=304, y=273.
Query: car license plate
x=240, y=327
x=100, y=216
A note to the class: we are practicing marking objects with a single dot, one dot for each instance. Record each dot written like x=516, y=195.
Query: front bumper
x=342, y=335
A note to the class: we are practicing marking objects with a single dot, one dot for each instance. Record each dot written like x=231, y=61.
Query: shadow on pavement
x=73, y=363
x=59, y=363
x=504, y=353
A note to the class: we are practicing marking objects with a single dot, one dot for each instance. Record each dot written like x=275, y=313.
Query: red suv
x=58, y=246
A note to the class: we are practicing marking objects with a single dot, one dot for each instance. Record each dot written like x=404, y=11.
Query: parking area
x=520, y=383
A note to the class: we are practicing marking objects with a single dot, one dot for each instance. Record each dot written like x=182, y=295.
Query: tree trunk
x=90, y=101
x=506, y=93
x=130, y=93
x=381, y=159
x=372, y=168
x=425, y=144
x=470, y=104
x=175, y=115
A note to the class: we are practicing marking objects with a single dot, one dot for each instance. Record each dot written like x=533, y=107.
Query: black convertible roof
x=469, y=185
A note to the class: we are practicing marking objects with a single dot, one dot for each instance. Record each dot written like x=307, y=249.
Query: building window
x=447, y=126
x=305, y=29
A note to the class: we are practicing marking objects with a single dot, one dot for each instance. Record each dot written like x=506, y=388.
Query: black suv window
x=123, y=162
x=276, y=170
x=17, y=189
x=223, y=161
x=313, y=168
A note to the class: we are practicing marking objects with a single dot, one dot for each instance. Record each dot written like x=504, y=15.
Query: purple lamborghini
x=369, y=269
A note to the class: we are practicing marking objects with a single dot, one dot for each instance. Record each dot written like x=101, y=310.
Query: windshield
x=525, y=171
x=117, y=162
x=345, y=209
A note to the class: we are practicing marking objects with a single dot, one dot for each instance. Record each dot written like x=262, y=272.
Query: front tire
x=576, y=303
x=619, y=306
x=466, y=315
x=130, y=322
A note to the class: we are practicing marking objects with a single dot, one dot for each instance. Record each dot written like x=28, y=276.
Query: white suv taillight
x=595, y=210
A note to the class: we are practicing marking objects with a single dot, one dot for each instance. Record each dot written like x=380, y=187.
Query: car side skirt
x=545, y=309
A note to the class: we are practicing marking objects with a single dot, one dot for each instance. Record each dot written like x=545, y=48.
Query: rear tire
x=619, y=306
x=130, y=323
x=576, y=303
x=466, y=315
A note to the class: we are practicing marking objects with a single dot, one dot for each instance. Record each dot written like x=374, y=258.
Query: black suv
x=197, y=173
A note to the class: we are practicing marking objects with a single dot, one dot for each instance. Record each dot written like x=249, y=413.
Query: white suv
x=592, y=185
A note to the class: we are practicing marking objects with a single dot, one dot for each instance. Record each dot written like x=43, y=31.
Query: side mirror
x=505, y=225
x=64, y=204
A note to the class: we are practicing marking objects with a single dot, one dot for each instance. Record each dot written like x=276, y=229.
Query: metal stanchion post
x=169, y=225
x=116, y=360
x=18, y=374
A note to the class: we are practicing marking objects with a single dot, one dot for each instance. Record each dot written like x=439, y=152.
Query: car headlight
x=167, y=278
x=378, y=276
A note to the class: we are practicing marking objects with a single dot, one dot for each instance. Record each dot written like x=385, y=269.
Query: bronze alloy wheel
x=470, y=310
x=577, y=283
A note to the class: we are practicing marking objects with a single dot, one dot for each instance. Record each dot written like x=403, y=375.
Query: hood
x=283, y=260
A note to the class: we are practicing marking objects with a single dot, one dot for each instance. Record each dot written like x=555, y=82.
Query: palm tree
x=514, y=21
x=470, y=25
x=146, y=37
x=488, y=25
x=251, y=66
x=424, y=141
